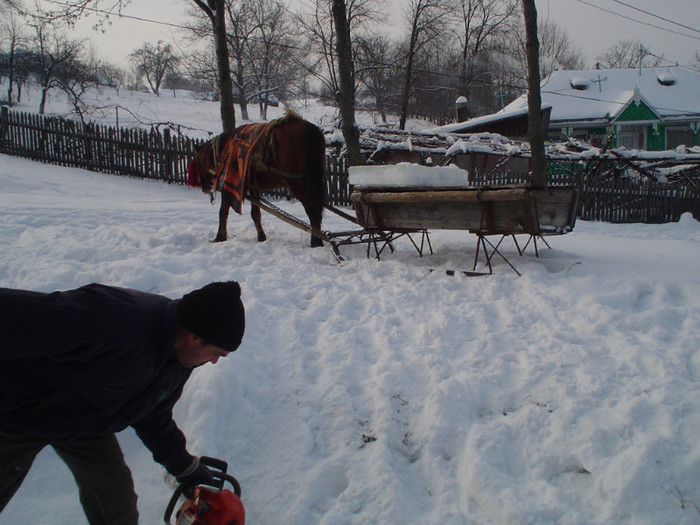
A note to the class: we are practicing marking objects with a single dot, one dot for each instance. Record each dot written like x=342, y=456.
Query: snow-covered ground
x=388, y=392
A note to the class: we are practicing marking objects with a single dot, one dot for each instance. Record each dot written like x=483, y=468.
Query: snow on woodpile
x=577, y=149
x=373, y=141
x=432, y=147
x=381, y=146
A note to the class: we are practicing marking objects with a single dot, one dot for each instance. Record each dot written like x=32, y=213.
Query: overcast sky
x=595, y=29
x=592, y=25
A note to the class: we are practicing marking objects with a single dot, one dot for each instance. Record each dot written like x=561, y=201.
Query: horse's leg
x=255, y=214
x=315, y=216
x=315, y=178
x=222, y=234
x=313, y=208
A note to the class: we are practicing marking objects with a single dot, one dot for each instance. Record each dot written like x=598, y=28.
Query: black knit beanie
x=215, y=313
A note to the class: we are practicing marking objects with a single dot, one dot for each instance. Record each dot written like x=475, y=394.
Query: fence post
x=4, y=125
x=167, y=156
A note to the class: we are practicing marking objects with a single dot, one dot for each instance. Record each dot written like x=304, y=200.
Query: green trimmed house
x=651, y=109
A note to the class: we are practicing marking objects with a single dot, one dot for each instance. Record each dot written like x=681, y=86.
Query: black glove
x=195, y=474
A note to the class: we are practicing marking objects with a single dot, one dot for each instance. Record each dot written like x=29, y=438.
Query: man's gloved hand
x=195, y=474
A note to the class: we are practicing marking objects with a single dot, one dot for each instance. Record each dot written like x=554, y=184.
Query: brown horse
x=289, y=152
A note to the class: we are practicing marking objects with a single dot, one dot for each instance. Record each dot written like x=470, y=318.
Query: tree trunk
x=408, y=80
x=9, y=90
x=42, y=103
x=214, y=9
x=228, y=115
x=11, y=76
x=346, y=94
x=242, y=94
x=535, y=133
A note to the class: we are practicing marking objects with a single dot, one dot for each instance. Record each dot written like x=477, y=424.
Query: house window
x=677, y=135
x=632, y=136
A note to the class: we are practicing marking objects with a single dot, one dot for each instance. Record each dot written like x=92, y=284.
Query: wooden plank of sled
x=422, y=196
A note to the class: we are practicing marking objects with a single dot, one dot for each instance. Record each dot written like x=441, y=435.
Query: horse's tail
x=316, y=167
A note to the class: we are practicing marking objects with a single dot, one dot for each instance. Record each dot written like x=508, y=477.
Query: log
x=418, y=196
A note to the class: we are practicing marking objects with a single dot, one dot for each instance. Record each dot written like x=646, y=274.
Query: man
x=78, y=366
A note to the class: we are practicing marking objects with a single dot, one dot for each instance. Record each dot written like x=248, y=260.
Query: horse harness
x=261, y=153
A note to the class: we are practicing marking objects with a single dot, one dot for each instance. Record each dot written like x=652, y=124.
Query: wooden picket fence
x=626, y=201
x=152, y=154
x=139, y=153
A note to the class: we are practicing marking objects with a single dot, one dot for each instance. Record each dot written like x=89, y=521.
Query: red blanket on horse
x=235, y=161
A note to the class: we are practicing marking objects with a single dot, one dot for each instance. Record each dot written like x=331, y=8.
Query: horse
x=288, y=152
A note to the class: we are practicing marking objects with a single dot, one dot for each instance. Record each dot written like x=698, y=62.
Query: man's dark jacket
x=91, y=361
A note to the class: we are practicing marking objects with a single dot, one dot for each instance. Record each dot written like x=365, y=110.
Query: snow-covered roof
x=673, y=93
x=494, y=118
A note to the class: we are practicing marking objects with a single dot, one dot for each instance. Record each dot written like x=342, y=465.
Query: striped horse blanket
x=235, y=161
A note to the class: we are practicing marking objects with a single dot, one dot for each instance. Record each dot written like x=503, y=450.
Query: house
x=651, y=108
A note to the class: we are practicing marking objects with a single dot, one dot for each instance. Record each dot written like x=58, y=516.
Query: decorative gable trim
x=637, y=110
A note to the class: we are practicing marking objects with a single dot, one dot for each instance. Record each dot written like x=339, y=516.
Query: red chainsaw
x=209, y=506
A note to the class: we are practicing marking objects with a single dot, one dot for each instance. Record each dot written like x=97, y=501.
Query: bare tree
x=112, y=76
x=261, y=47
x=435, y=81
x=556, y=49
x=375, y=70
x=274, y=54
x=200, y=66
x=317, y=27
x=52, y=54
x=509, y=59
x=13, y=43
x=10, y=5
x=628, y=54
x=75, y=77
x=426, y=19
x=479, y=24
x=154, y=62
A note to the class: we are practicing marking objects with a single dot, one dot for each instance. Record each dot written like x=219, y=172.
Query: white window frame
x=628, y=136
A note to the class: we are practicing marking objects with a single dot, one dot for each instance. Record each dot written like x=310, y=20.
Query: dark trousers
x=97, y=463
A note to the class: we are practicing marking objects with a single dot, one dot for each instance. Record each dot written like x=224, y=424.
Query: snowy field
x=381, y=392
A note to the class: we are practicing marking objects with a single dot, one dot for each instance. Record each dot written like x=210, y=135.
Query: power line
x=159, y=22
x=122, y=15
x=657, y=16
x=635, y=20
x=296, y=48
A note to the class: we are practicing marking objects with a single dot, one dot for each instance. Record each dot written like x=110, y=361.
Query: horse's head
x=194, y=178
x=201, y=170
